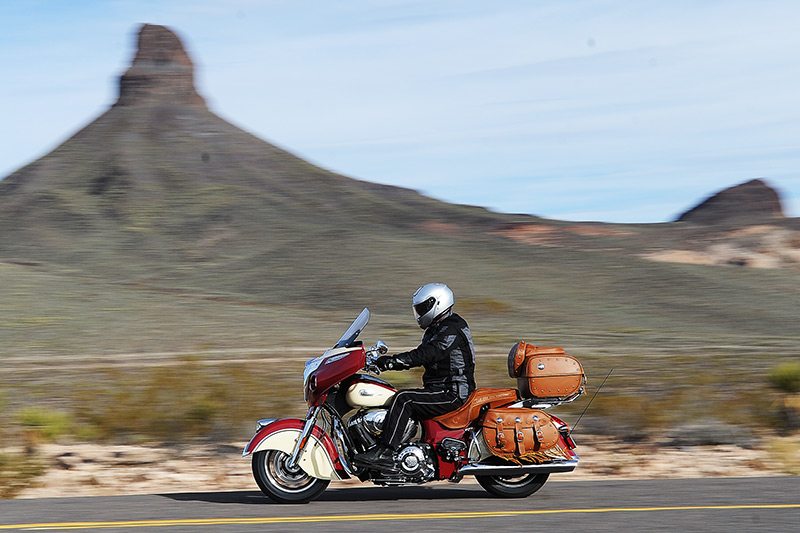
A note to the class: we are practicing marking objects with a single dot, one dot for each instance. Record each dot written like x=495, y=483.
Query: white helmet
x=430, y=302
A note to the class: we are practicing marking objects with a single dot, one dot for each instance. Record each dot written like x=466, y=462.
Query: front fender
x=320, y=458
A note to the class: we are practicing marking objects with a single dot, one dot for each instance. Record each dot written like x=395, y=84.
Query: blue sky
x=585, y=110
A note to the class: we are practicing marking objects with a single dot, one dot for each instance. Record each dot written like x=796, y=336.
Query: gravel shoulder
x=97, y=470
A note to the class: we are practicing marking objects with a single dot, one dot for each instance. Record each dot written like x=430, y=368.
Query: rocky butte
x=160, y=183
x=752, y=201
x=160, y=198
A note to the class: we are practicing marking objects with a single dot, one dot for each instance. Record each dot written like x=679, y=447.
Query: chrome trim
x=264, y=422
x=261, y=424
x=380, y=347
x=373, y=421
x=477, y=450
x=526, y=404
x=339, y=435
x=311, y=420
x=494, y=470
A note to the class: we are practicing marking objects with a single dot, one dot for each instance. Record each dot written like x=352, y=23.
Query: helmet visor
x=423, y=307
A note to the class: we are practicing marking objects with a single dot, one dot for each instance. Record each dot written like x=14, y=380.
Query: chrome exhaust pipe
x=517, y=470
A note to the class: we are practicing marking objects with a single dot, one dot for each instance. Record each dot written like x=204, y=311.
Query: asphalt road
x=732, y=504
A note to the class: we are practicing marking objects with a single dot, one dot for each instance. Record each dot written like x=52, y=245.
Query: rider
x=448, y=355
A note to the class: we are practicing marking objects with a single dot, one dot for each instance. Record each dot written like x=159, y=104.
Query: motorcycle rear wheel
x=512, y=486
x=283, y=484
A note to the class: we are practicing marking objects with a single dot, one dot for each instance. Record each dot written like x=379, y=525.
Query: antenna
x=590, y=401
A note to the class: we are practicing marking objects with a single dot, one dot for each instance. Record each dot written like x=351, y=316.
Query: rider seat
x=470, y=410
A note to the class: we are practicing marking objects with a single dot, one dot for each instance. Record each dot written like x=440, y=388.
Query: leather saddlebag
x=520, y=435
x=545, y=373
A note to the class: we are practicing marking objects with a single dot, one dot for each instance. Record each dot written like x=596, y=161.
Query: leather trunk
x=520, y=435
x=522, y=351
x=545, y=373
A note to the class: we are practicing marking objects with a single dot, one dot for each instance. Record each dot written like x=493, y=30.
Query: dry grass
x=785, y=452
x=44, y=425
x=786, y=377
x=17, y=472
x=185, y=402
x=192, y=400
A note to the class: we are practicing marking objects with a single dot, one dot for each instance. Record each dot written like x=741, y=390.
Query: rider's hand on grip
x=386, y=362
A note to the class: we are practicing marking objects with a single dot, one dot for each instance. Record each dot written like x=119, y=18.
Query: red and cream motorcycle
x=503, y=437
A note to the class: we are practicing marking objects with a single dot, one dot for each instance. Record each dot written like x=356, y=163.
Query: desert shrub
x=185, y=402
x=785, y=453
x=629, y=417
x=17, y=472
x=786, y=377
x=44, y=424
x=166, y=403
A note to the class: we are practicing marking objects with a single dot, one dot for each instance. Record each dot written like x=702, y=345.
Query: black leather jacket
x=448, y=355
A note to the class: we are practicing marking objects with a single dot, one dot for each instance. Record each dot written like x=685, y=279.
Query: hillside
x=160, y=225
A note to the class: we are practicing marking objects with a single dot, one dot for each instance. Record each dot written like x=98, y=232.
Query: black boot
x=380, y=457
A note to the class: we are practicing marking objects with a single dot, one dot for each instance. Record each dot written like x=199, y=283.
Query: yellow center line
x=377, y=517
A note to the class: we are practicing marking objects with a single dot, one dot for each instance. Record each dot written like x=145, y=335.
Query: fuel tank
x=369, y=391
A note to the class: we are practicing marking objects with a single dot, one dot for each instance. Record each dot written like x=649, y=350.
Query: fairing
x=334, y=367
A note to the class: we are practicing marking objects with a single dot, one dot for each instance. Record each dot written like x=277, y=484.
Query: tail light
x=565, y=432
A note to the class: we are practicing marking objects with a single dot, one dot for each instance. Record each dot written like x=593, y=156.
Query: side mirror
x=381, y=347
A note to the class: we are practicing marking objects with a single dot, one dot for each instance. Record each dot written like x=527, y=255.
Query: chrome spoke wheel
x=281, y=474
x=282, y=483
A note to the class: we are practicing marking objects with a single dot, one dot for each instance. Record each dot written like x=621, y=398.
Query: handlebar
x=373, y=352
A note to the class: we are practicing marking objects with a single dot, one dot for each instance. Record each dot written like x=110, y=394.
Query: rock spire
x=161, y=72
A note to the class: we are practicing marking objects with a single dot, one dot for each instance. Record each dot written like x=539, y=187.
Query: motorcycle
x=502, y=437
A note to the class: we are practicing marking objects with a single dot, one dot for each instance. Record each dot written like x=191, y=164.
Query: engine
x=415, y=462
x=367, y=425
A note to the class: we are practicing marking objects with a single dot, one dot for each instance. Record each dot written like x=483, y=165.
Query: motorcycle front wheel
x=284, y=484
x=512, y=486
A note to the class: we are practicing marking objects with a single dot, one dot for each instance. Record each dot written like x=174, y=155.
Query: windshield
x=349, y=337
x=355, y=329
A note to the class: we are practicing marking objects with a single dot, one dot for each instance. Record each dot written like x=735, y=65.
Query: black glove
x=391, y=362
x=386, y=362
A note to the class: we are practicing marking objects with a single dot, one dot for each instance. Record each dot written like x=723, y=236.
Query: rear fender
x=320, y=459
x=565, y=436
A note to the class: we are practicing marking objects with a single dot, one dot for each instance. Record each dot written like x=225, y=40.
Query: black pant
x=419, y=404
